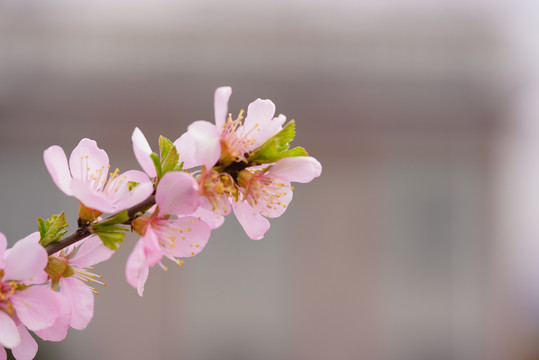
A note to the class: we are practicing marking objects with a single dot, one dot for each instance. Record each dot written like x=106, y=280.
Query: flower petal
x=276, y=205
x=221, y=97
x=91, y=252
x=26, y=260
x=208, y=216
x=41, y=276
x=254, y=224
x=142, y=280
x=3, y=354
x=177, y=194
x=56, y=163
x=259, y=124
x=9, y=335
x=186, y=145
x=122, y=197
x=3, y=245
x=200, y=145
x=82, y=302
x=136, y=270
x=58, y=331
x=90, y=197
x=27, y=349
x=153, y=252
x=259, y=111
x=301, y=169
x=194, y=236
x=142, y=151
x=87, y=158
x=37, y=306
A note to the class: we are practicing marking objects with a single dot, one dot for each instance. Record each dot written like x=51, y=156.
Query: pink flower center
x=235, y=142
x=97, y=178
x=6, y=290
x=263, y=192
x=168, y=232
x=217, y=188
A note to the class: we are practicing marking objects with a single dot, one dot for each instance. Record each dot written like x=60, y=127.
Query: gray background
x=396, y=252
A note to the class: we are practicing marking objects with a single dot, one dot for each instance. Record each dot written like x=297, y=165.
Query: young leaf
x=119, y=218
x=179, y=167
x=110, y=231
x=112, y=239
x=50, y=230
x=286, y=135
x=157, y=164
x=276, y=147
x=169, y=155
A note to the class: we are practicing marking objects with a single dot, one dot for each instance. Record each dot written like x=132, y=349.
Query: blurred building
x=405, y=249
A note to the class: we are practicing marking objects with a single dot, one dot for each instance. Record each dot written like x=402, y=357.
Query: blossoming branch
x=242, y=165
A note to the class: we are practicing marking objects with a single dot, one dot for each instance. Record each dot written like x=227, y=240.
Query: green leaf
x=276, y=147
x=157, y=164
x=179, y=167
x=286, y=135
x=112, y=239
x=297, y=151
x=169, y=155
x=119, y=218
x=168, y=158
x=110, y=231
x=50, y=230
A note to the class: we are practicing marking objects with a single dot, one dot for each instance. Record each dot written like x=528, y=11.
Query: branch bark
x=85, y=230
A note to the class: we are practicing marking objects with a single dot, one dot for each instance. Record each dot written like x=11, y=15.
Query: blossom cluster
x=235, y=165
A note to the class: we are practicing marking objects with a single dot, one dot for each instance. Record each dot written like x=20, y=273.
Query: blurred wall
x=388, y=255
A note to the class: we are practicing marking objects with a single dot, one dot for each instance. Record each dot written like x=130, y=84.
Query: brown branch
x=84, y=229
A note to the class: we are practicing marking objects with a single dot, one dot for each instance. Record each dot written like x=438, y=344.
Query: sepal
x=88, y=215
x=56, y=269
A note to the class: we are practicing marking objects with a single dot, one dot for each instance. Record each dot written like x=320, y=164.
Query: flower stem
x=84, y=229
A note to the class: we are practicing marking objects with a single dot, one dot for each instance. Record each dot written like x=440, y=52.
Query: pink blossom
x=86, y=178
x=174, y=192
x=73, y=269
x=142, y=151
x=228, y=140
x=27, y=348
x=223, y=143
x=216, y=188
x=58, y=330
x=255, y=192
x=23, y=305
x=205, y=213
x=177, y=194
x=163, y=237
x=266, y=191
